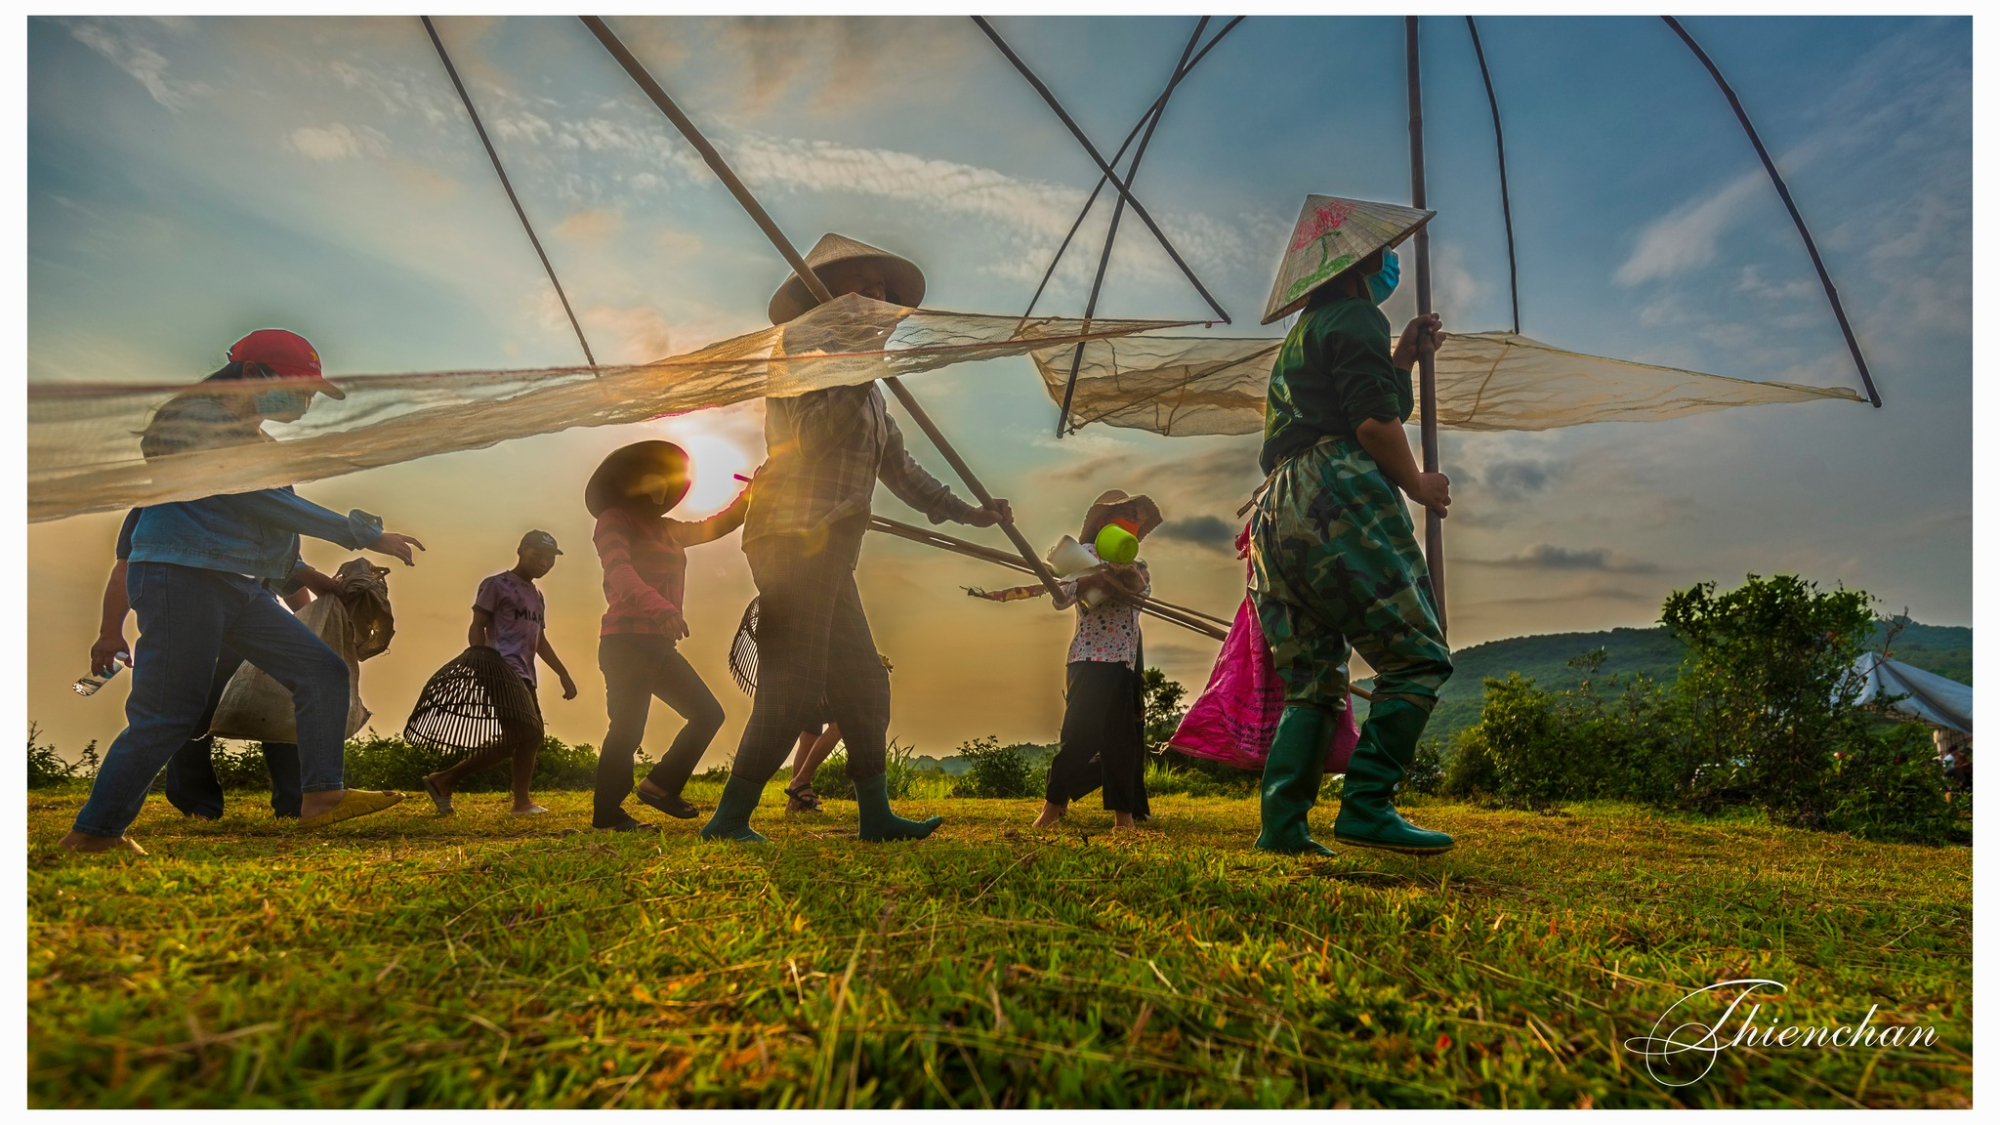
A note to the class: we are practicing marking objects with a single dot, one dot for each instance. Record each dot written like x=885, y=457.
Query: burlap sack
x=257, y=708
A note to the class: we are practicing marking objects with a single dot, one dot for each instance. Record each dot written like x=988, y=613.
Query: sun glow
x=714, y=459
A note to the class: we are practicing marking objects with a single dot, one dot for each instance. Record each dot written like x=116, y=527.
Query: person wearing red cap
x=198, y=579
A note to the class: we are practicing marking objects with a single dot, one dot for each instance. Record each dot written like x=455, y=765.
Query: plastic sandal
x=358, y=802
x=438, y=797
x=802, y=799
x=674, y=805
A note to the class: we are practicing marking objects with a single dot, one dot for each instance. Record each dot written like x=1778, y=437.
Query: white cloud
x=137, y=57
x=338, y=141
x=1686, y=238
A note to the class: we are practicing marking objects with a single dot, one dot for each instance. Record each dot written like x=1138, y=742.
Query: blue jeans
x=192, y=786
x=187, y=616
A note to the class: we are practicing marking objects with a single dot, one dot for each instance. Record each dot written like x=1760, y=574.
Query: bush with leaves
x=831, y=779
x=1767, y=696
x=1161, y=707
x=1887, y=787
x=47, y=769
x=997, y=771
x=391, y=762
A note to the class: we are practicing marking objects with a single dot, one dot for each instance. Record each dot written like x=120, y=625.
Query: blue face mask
x=1383, y=281
x=283, y=402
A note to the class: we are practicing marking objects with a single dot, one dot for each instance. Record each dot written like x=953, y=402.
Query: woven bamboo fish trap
x=743, y=650
x=473, y=702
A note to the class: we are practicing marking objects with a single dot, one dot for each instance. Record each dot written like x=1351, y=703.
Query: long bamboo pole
x=1427, y=365
x=813, y=284
x=519, y=212
x=1111, y=234
x=933, y=538
x=1785, y=196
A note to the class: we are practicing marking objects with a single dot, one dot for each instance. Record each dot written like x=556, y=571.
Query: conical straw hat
x=1333, y=234
x=906, y=281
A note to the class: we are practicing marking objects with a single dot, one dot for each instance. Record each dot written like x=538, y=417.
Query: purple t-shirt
x=517, y=608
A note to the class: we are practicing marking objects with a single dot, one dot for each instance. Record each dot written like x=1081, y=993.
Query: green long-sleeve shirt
x=1333, y=371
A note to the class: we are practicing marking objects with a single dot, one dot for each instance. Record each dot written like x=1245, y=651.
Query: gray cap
x=540, y=541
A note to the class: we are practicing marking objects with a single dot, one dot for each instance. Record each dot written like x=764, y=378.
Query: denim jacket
x=253, y=533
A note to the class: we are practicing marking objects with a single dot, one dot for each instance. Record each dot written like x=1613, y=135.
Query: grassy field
x=485, y=961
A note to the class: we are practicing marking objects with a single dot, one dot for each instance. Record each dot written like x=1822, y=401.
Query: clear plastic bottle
x=89, y=684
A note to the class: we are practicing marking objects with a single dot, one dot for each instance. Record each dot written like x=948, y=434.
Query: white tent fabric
x=85, y=441
x=1194, y=385
x=1928, y=697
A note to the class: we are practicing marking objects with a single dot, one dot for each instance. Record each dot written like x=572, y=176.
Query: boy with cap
x=509, y=615
x=1335, y=562
x=197, y=580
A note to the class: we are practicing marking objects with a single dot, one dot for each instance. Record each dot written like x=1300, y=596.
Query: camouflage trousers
x=1336, y=570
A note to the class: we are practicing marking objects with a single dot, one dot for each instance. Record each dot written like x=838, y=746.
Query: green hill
x=1943, y=649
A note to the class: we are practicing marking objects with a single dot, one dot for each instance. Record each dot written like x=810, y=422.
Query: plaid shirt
x=827, y=450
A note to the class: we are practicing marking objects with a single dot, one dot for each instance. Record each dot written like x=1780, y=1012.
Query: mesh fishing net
x=1195, y=385
x=84, y=441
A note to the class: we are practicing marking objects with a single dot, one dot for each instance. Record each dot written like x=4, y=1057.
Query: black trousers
x=1103, y=739
x=637, y=668
x=192, y=786
x=816, y=659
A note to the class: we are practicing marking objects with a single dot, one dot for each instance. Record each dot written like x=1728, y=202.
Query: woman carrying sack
x=644, y=555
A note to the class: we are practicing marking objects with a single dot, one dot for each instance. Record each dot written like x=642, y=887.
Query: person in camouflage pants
x=1335, y=564
x=1338, y=571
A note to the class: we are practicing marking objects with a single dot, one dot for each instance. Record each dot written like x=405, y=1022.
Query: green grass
x=487, y=961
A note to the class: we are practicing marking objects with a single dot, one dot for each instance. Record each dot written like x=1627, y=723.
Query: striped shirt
x=645, y=565
x=827, y=450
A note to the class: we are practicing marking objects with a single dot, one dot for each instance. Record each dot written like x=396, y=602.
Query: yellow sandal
x=357, y=802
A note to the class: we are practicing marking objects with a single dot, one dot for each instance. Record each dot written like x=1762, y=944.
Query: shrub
x=1769, y=687
x=391, y=762
x=1427, y=770
x=1162, y=708
x=1468, y=771
x=46, y=768
x=1176, y=773
x=832, y=780
x=997, y=771
x=1887, y=787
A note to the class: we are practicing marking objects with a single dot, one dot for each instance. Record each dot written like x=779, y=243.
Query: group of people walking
x=1336, y=569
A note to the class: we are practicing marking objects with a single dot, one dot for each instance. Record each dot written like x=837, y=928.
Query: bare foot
x=87, y=844
x=529, y=809
x=1123, y=820
x=1052, y=815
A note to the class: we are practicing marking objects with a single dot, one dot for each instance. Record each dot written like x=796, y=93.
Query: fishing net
x=475, y=701
x=84, y=440
x=1193, y=385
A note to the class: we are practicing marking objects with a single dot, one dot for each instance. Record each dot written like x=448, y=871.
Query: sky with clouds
x=192, y=179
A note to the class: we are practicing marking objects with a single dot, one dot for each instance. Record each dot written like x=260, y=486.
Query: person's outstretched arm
x=693, y=533
x=926, y=493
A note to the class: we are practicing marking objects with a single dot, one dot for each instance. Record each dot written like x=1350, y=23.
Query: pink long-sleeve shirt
x=645, y=565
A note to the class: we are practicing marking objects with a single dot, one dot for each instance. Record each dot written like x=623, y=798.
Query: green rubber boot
x=1291, y=782
x=1388, y=746
x=877, y=822
x=732, y=814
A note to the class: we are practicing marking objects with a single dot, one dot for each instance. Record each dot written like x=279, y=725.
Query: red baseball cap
x=286, y=353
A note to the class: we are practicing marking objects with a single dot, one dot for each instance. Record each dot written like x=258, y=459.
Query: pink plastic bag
x=1236, y=715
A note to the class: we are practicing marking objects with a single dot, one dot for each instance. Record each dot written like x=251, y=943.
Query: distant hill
x=1943, y=649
